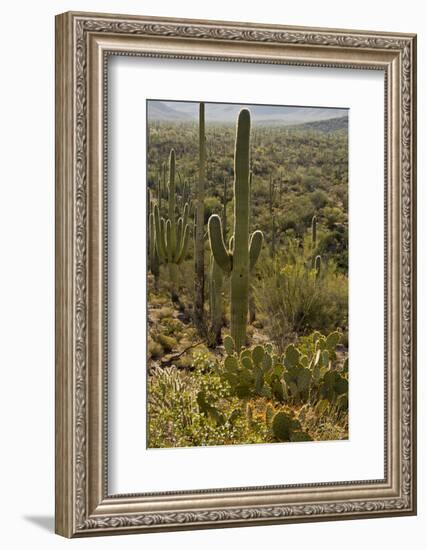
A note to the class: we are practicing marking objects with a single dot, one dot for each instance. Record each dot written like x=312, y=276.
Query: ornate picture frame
x=84, y=42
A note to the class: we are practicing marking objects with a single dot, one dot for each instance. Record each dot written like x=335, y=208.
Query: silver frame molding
x=83, y=43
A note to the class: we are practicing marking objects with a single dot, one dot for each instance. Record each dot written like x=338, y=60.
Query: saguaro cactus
x=316, y=260
x=216, y=281
x=314, y=232
x=224, y=210
x=216, y=278
x=199, y=241
x=252, y=305
x=273, y=223
x=318, y=265
x=172, y=237
x=238, y=260
x=152, y=246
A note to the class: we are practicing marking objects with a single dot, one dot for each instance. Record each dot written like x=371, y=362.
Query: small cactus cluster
x=282, y=425
x=293, y=377
x=243, y=251
x=245, y=370
x=171, y=236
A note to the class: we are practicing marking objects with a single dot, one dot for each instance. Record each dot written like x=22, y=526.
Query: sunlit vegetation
x=255, y=351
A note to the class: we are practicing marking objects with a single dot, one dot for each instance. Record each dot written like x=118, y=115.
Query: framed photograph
x=235, y=274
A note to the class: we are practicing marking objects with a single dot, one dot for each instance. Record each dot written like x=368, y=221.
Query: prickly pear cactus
x=302, y=374
x=287, y=428
x=239, y=260
x=283, y=425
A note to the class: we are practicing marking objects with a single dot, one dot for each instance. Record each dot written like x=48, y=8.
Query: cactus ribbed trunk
x=252, y=305
x=215, y=302
x=315, y=259
x=173, y=278
x=240, y=271
x=224, y=211
x=199, y=245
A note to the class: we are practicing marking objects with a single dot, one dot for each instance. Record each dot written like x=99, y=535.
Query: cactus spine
x=199, y=244
x=244, y=254
x=172, y=237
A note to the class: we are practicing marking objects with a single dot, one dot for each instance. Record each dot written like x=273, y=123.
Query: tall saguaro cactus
x=273, y=223
x=239, y=260
x=252, y=305
x=199, y=241
x=172, y=237
x=152, y=246
x=314, y=232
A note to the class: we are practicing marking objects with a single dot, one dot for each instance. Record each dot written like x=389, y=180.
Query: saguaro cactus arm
x=255, y=246
x=318, y=264
x=184, y=245
x=160, y=241
x=169, y=248
x=231, y=244
x=314, y=231
x=179, y=234
x=219, y=250
x=186, y=212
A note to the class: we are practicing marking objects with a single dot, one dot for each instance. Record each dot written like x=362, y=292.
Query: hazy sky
x=227, y=112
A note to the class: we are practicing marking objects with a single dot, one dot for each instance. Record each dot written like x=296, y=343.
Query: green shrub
x=168, y=343
x=295, y=300
x=155, y=350
x=196, y=410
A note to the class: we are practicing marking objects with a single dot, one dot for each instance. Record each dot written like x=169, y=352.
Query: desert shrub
x=171, y=326
x=295, y=298
x=212, y=205
x=155, y=350
x=168, y=343
x=195, y=410
x=319, y=198
x=162, y=313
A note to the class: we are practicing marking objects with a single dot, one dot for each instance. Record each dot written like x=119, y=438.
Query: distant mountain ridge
x=181, y=111
x=330, y=125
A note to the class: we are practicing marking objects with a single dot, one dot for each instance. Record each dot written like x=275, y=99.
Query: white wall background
x=27, y=273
